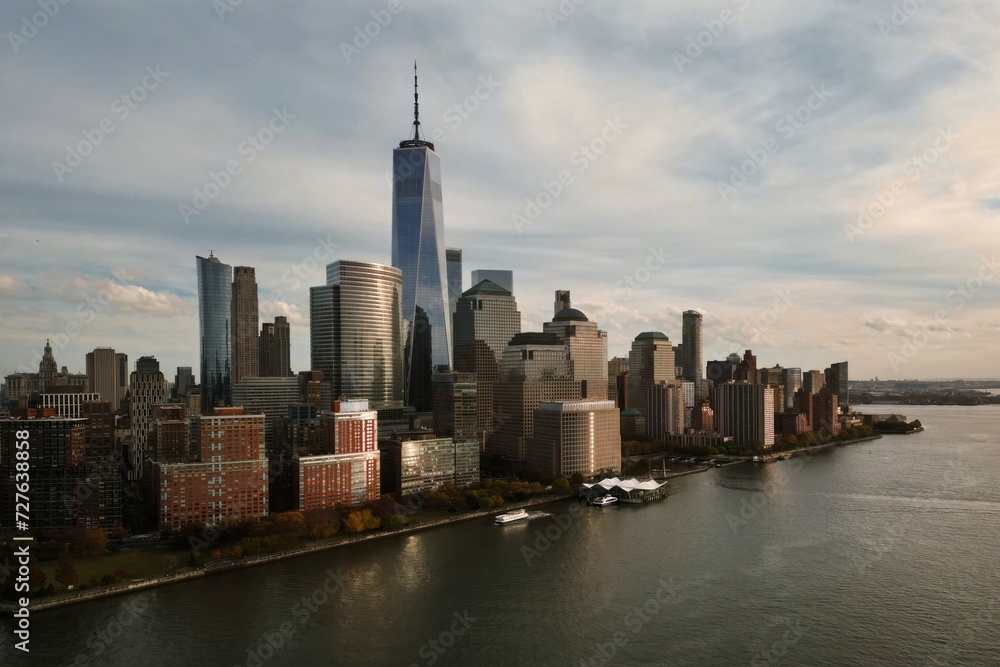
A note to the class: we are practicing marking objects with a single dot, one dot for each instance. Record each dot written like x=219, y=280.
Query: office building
x=107, y=375
x=792, y=382
x=275, y=348
x=455, y=399
x=183, y=383
x=486, y=318
x=215, y=291
x=562, y=302
x=813, y=381
x=418, y=251
x=665, y=410
x=66, y=403
x=244, y=318
x=269, y=396
x=419, y=461
x=588, y=351
x=745, y=412
x=836, y=382
x=356, y=332
x=692, y=358
x=501, y=277
x=575, y=438
x=147, y=387
x=650, y=361
x=453, y=260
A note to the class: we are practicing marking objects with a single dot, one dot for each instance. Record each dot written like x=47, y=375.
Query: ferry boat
x=604, y=500
x=510, y=517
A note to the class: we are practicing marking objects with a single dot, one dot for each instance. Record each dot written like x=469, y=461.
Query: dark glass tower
x=418, y=252
x=215, y=294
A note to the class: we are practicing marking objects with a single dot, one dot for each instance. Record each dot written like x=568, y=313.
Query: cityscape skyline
x=508, y=127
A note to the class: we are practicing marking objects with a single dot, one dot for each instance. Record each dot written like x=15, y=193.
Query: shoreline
x=221, y=566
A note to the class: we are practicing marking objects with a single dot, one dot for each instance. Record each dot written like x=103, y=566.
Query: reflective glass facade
x=454, y=261
x=357, y=332
x=418, y=252
x=215, y=293
x=692, y=360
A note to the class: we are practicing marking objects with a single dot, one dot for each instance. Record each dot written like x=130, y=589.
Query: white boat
x=510, y=517
x=604, y=500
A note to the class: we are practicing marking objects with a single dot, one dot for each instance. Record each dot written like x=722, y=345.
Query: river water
x=881, y=553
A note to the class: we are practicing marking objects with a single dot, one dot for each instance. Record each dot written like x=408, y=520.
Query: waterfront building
x=701, y=439
x=147, y=387
x=356, y=332
x=418, y=251
x=793, y=422
x=486, y=318
x=575, y=438
x=633, y=424
x=802, y=402
x=825, y=411
x=665, y=410
x=501, y=277
x=215, y=292
x=745, y=412
x=107, y=375
x=244, y=318
x=650, y=361
x=455, y=406
x=420, y=461
x=836, y=382
x=692, y=358
x=275, y=348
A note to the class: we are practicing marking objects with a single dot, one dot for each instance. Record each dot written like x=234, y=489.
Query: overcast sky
x=115, y=112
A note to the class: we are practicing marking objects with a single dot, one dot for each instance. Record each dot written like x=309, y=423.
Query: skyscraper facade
x=453, y=258
x=792, y=382
x=588, y=351
x=501, y=277
x=693, y=359
x=107, y=374
x=813, y=381
x=836, y=382
x=486, y=318
x=575, y=438
x=275, y=348
x=356, y=332
x=215, y=292
x=651, y=360
x=147, y=387
x=418, y=252
x=745, y=412
x=244, y=319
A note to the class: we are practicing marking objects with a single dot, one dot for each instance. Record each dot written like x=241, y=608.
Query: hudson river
x=882, y=553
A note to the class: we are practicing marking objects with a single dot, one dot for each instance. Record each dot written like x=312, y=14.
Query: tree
x=561, y=485
x=65, y=572
x=361, y=520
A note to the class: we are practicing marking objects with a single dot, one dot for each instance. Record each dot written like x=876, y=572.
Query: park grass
x=139, y=563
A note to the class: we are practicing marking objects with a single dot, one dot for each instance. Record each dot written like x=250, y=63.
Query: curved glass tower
x=418, y=252
x=215, y=294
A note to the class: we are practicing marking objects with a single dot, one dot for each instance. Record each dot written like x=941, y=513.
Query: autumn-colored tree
x=395, y=520
x=361, y=520
x=65, y=572
x=119, y=533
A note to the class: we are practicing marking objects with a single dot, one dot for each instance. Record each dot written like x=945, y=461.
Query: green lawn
x=139, y=563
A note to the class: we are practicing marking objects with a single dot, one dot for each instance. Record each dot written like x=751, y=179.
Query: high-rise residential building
x=356, y=332
x=67, y=490
x=418, y=252
x=227, y=483
x=215, y=292
x=719, y=371
x=575, y=438
x=825, y=410
x=66, y=403
x=502, y=277
x=418, y=461
x=170, y=436
x=836, y=382
x=276, y=348
x=183, y=382
x=453, y=259
x=107, y=374
x=535, y=367
x=813, y=381
x=745, y=412
x=588, y=351
x=747, y=371
x=100, y=429
x=311, y=388
x=147, y=387
x=792, y=382
x=650, y=361
x=703, y=417
x=245, y=316
x=269, y=396
x=665, y=410
x=688, y=388
x=802, y=401
x=486, y=318
x=692, y=359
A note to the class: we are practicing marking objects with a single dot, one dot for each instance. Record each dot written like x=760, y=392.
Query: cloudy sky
x=819, y=178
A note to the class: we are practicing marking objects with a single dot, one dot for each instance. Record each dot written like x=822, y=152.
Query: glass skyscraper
x=215, y=294
x=418, y=252
x=356, y=332
x=692, y=361
x=454, y=261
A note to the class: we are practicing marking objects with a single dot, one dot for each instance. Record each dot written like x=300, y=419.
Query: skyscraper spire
x=416, y=105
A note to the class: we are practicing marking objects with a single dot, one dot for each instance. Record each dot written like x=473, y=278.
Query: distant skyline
x=597, y=151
